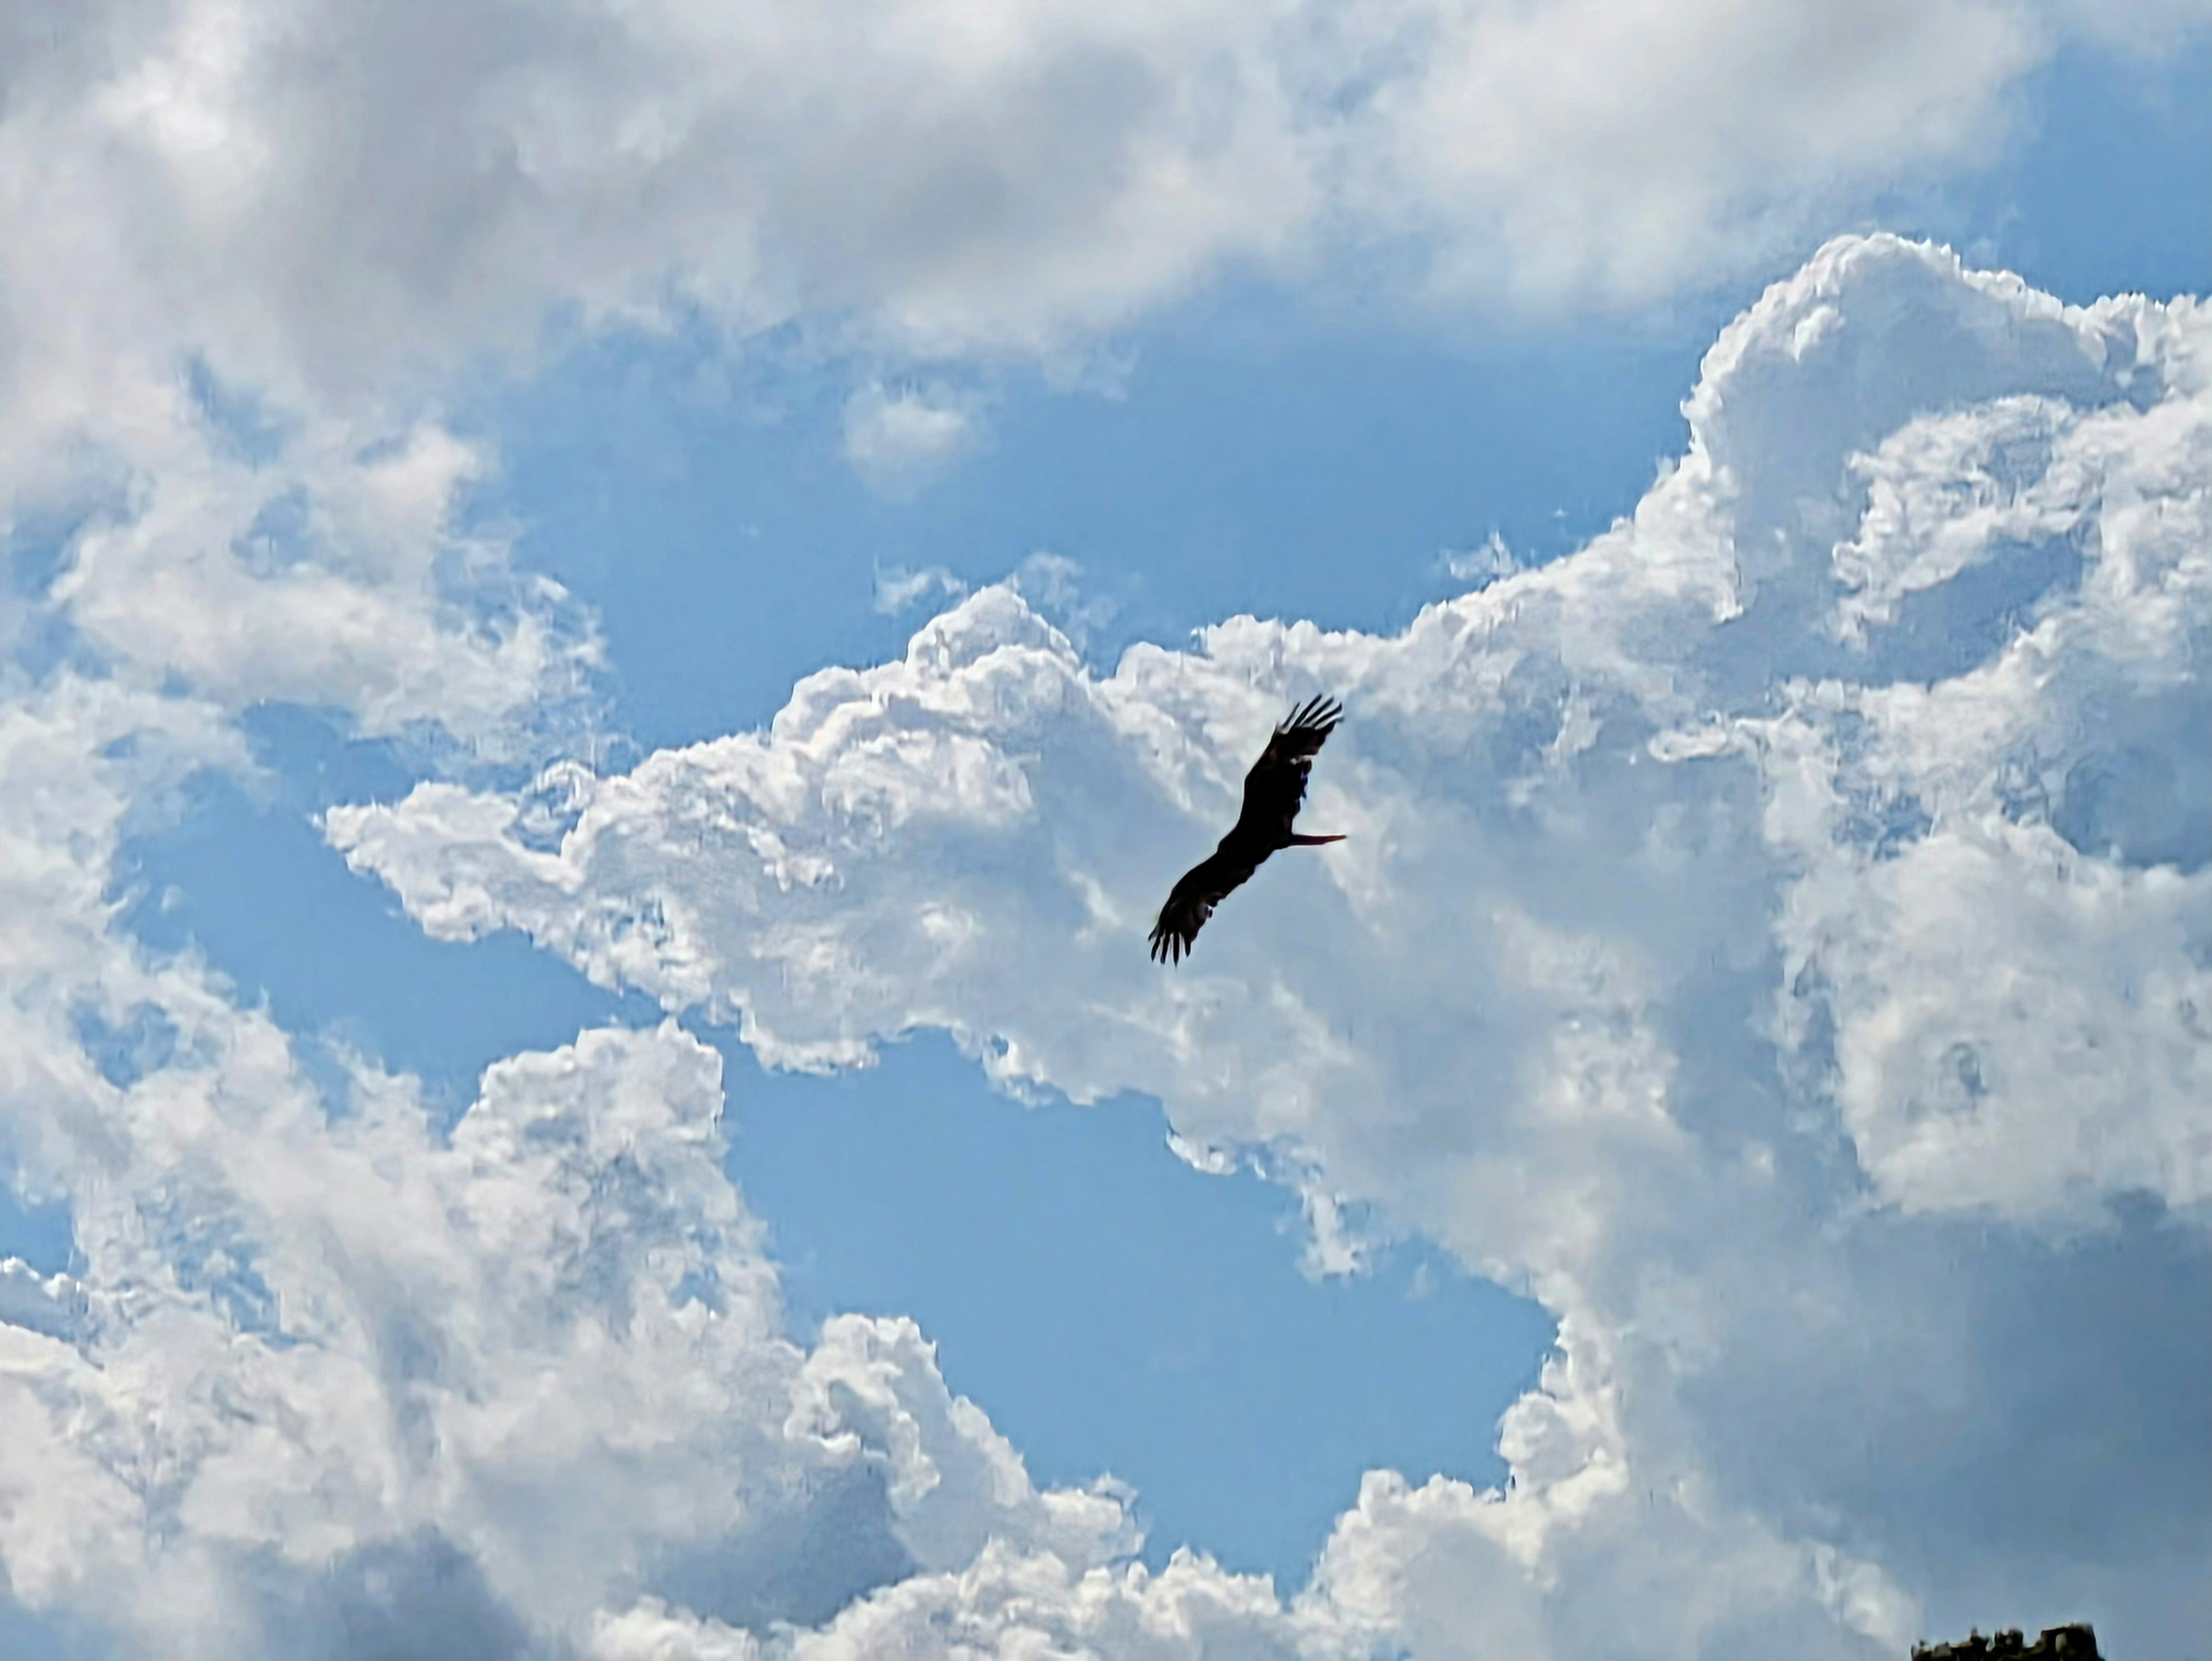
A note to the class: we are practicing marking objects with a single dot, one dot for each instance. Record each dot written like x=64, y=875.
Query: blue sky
x=1307, y=428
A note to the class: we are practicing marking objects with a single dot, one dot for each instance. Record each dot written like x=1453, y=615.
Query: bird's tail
x=1297, y=841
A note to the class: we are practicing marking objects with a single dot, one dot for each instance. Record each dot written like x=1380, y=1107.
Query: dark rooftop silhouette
x=2071, y=1643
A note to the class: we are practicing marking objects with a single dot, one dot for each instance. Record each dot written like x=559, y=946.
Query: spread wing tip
x=1319, y=712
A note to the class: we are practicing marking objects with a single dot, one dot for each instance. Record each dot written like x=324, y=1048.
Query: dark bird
x=1272, y=790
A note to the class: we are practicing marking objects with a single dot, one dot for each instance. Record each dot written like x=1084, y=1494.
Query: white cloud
x=898, y=442
x=1479, y=566
x=1624, y=149
x=343, y=1389
x=318, y=195
x=1775, y=934
x=324, y=1380
x=328, y=212
x=331, y=577
x=1052, y=584
x=333, y=1385
x=898, y=589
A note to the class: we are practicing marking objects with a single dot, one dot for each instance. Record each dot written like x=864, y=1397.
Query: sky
x=618, y=617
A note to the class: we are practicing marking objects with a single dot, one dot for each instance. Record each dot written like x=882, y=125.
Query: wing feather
x=1276, y=786
x=1191, y=902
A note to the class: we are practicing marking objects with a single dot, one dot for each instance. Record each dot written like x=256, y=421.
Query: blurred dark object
x=2076, y=1643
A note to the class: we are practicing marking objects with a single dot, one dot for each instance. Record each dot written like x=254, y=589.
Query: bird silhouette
x=1272, y=790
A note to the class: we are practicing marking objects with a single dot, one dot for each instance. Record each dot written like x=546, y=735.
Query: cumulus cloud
x=330, y=1383
x=325, y=1380
x=1775, y=935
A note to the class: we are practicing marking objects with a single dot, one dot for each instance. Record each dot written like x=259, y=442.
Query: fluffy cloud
x=897, y=442
x=326, y=1379
x=318, y=195
x=1775, y=934
x=331, y=576
x=259, y=238
x=329, y=1384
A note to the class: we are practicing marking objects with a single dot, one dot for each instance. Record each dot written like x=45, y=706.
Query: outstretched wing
x=1277, y=783
x=1191, y=902
x=1272, y=790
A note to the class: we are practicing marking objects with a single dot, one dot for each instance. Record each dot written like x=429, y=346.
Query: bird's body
x=1272, y=791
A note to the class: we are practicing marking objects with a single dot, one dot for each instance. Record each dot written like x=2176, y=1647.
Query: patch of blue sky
x=2112, y=192
x=39, y=1234
x=25, y=1636
x=125, y=1051
x=34, y=550
x=244, y=423
x=1254, y=456
x=1115, y=1309
x=241, y=874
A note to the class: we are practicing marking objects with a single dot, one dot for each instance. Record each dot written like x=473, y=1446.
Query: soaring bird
x=1272, y=790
